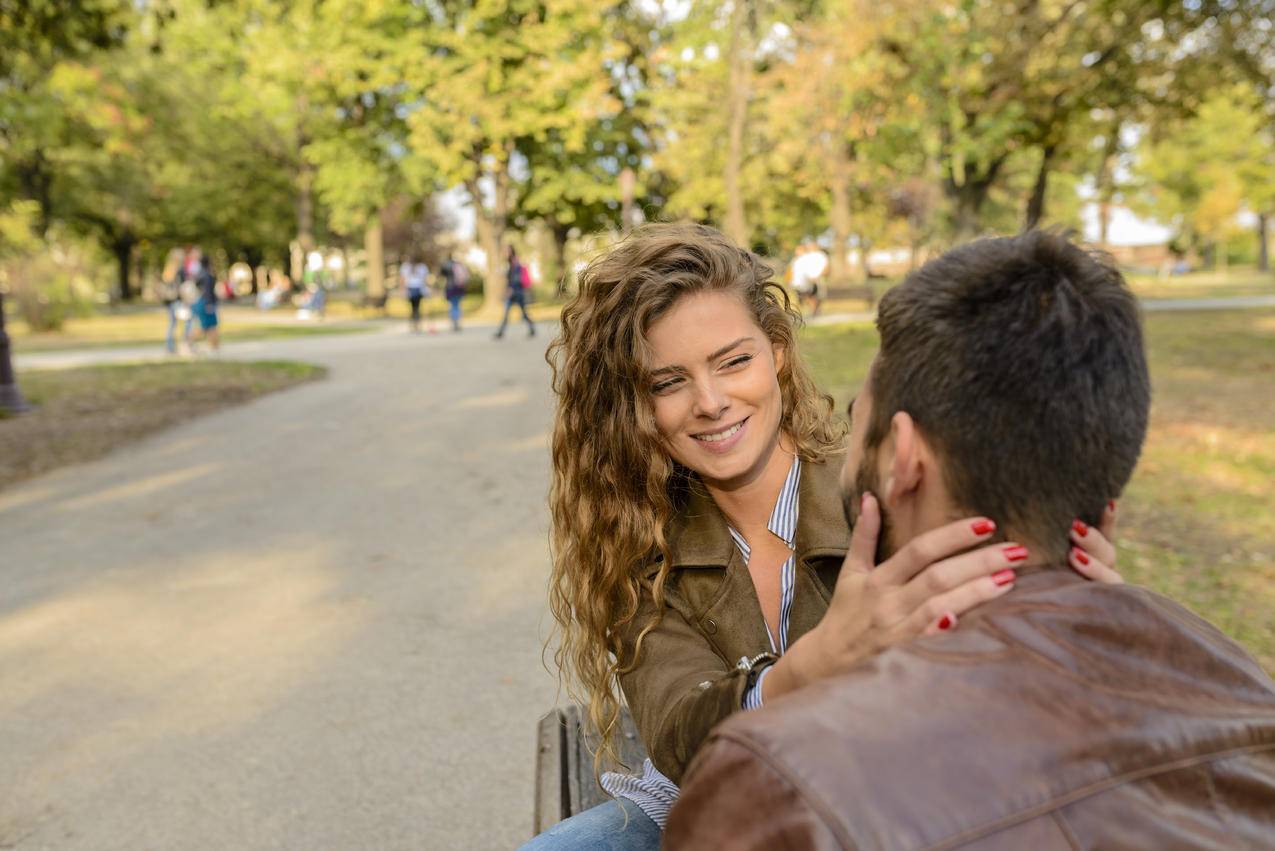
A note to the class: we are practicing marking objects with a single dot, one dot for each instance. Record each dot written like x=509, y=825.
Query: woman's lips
x=718, y=447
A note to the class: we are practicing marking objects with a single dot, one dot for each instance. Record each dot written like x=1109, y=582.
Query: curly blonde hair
x=615, y=489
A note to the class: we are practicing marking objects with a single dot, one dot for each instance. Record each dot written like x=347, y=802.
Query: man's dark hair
x=1021, y=361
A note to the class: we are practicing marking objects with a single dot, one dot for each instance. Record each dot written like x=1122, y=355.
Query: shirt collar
x=700, y=537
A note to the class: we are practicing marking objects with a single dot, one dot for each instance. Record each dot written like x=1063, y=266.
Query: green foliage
x=1200, y=172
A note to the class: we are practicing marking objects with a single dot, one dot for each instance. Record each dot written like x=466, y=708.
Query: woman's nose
x=710, y=401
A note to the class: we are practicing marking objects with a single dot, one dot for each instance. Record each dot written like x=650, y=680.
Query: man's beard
x=865, y=480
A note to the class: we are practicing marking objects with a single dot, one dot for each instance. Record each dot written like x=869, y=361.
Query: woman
x=698, y=529
x=517, y=281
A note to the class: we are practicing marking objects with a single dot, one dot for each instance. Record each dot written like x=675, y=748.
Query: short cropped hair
x=1021, y=361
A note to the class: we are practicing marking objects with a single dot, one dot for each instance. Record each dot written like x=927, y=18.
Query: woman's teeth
x=721, y=435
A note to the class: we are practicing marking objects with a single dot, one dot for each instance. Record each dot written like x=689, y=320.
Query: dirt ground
x=84, y=413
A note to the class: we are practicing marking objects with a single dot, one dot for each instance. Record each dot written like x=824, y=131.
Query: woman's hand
x=921, y=588
x=1094, y=554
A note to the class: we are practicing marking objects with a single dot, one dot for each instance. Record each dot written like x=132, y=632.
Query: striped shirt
x=654, y=793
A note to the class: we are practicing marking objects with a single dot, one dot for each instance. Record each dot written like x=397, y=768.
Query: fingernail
x=1016, y=552
x=1004, y=577
x=984, y=527
x=947, y=621
x=1111, y=505
x=1081, y=527
x=863, y=501
x=1079, y=555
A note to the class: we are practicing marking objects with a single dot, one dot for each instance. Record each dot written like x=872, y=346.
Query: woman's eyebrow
x=714, y=356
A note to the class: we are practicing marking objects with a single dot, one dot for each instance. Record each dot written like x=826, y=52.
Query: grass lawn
x=1239, y=282
x=84, y=413
x=146, y=327
x=1198, y=519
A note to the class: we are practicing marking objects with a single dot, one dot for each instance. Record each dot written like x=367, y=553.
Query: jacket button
x=710, y=626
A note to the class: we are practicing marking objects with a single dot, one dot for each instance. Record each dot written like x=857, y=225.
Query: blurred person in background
x=518, y=280
x=415, y=276
x=455, y=281
x=205, y=307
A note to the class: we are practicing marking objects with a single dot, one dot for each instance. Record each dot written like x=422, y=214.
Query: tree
x=1200, y=172
x=476, y=78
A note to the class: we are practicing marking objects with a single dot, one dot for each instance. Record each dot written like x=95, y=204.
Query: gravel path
x=314, y=621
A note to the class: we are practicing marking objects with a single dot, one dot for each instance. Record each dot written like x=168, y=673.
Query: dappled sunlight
x=212, y=646
x=27, y=496
x=500, y=399
x=139, y=488
x=502, y=583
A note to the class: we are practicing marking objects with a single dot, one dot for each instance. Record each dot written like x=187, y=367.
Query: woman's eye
x=665, y=386
x=739, y=361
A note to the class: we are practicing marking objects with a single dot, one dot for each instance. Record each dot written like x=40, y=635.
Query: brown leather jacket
x=1064, y=715
x=686, y=678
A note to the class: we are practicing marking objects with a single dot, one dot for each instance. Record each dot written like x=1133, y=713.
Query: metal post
x=10, y=397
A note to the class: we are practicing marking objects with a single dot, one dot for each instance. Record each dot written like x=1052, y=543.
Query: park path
x=313, y=621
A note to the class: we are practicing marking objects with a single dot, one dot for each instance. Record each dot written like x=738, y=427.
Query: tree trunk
x=35, y=183
x=123, y=249
x=1106, y=185
x=491, y=235
x=840, y=217
x=737, y=117
x=1263, y=249
x=562, y=276
x=305, y=222
x=1036, y=204
x=374, y=247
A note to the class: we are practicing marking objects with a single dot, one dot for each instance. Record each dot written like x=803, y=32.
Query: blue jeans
x=453, y=309
x=169, y=341
x=603, y=828
x=519, y=298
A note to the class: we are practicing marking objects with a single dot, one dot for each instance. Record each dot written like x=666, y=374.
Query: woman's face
x=715, y=387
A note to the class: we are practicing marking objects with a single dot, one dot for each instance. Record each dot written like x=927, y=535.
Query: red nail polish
x=1080, y=556
x=984, y=527
x=1016, y=553
x=1081, y=527
x=1004, y=577
x=947, y=621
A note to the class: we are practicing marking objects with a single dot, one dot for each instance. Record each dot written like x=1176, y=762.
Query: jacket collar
x=699, y=536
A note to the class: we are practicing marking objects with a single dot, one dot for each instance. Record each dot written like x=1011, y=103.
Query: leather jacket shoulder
x=1064, y=715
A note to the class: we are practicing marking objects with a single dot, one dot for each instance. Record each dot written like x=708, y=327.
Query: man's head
x=1012, y=383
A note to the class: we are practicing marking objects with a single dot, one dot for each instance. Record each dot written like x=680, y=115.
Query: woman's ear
x=780, y=353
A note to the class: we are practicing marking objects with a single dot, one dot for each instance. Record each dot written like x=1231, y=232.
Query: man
x=1012, y=383
x=808, y=269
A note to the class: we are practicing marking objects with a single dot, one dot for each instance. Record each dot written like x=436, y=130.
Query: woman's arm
x=678, y=690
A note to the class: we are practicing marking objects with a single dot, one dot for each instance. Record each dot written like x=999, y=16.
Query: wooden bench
x=565, y=784
x=864, y=291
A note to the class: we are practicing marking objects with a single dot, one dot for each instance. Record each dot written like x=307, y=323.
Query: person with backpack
x=455, y=281
x=519, y=280
x=205, y=307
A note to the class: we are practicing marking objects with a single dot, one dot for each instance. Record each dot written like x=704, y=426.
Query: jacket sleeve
x=733, y=798
x=679, y=689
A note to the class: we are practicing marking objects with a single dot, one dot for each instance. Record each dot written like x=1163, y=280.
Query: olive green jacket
x=686, y=679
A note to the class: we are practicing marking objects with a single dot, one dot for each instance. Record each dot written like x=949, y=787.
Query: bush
x=48, y=280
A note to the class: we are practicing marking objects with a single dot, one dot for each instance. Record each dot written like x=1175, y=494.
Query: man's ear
x=904, y=474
